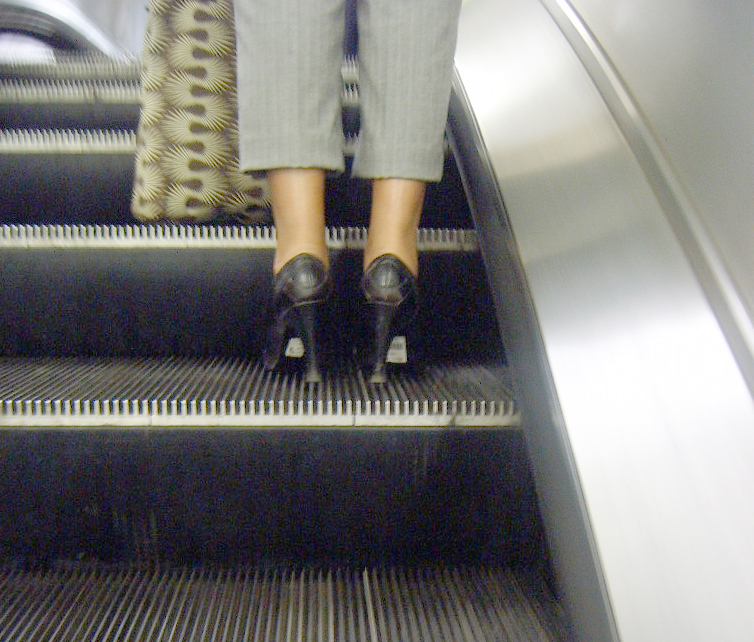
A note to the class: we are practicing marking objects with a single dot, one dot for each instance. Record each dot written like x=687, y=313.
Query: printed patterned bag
x=187, y=140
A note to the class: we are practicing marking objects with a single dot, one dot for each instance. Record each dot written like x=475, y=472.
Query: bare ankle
x=411, y=262
x=282, y=257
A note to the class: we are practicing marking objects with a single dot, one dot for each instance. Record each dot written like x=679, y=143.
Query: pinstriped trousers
x=289, y=85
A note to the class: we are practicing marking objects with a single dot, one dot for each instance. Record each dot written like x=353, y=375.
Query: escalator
x=157, y=483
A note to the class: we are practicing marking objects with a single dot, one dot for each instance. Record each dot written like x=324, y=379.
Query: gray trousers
x=290, y=86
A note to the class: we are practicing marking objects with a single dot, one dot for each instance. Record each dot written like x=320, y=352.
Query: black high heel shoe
x=391, y=292
x=299, y=289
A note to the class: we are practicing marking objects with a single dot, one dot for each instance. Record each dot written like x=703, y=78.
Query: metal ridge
x=70, y=393
x=186, y=236
x=91, y=66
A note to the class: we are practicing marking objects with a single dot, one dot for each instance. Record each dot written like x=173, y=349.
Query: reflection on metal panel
x=725, y=290
x=691, y=72
x=59, y=21
x=658, y=416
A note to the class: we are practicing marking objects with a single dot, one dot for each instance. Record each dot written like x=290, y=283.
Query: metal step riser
x=69, y=115
x=82, y=114
x=91, y=183
x=142, y=302
x=82, y=104
x=58, y=175
x=74, y=175
x=85, y=141
x=362, y=497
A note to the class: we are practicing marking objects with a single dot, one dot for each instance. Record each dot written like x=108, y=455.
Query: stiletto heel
x=307, y=317
x=391, y=293
x=382, y=320
x=300, y=288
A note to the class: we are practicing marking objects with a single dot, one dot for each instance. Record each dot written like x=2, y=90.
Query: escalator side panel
x=647, y=490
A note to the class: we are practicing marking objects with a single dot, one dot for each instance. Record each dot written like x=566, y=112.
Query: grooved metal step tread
x=114, y=142
x=102, y=237
x=79, y=601
x=193, y=394
x=68, y=92
x=53, y=141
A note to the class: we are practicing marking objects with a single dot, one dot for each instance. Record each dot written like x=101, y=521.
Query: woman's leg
x=298, y=208
x=396, y=209
x=289, y=110
x=405, y=68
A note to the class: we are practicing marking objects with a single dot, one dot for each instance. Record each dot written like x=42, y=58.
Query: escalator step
x=89, y=92
x=81, y=601
x=195, y=394
x=57, y=103
x=67, y=91
x=198, y=291
x=88, y=66
x=91, y=104
x=52, y=174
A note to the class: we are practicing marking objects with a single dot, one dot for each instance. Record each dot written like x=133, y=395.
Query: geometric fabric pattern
x=187, y=138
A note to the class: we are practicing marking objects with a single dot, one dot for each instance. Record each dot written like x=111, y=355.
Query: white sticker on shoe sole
x=397, y=352
x=295, y=348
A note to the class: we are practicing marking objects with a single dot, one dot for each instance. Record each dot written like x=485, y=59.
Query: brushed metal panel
x=657, y=413
x=691, y=225
x=689, y=66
